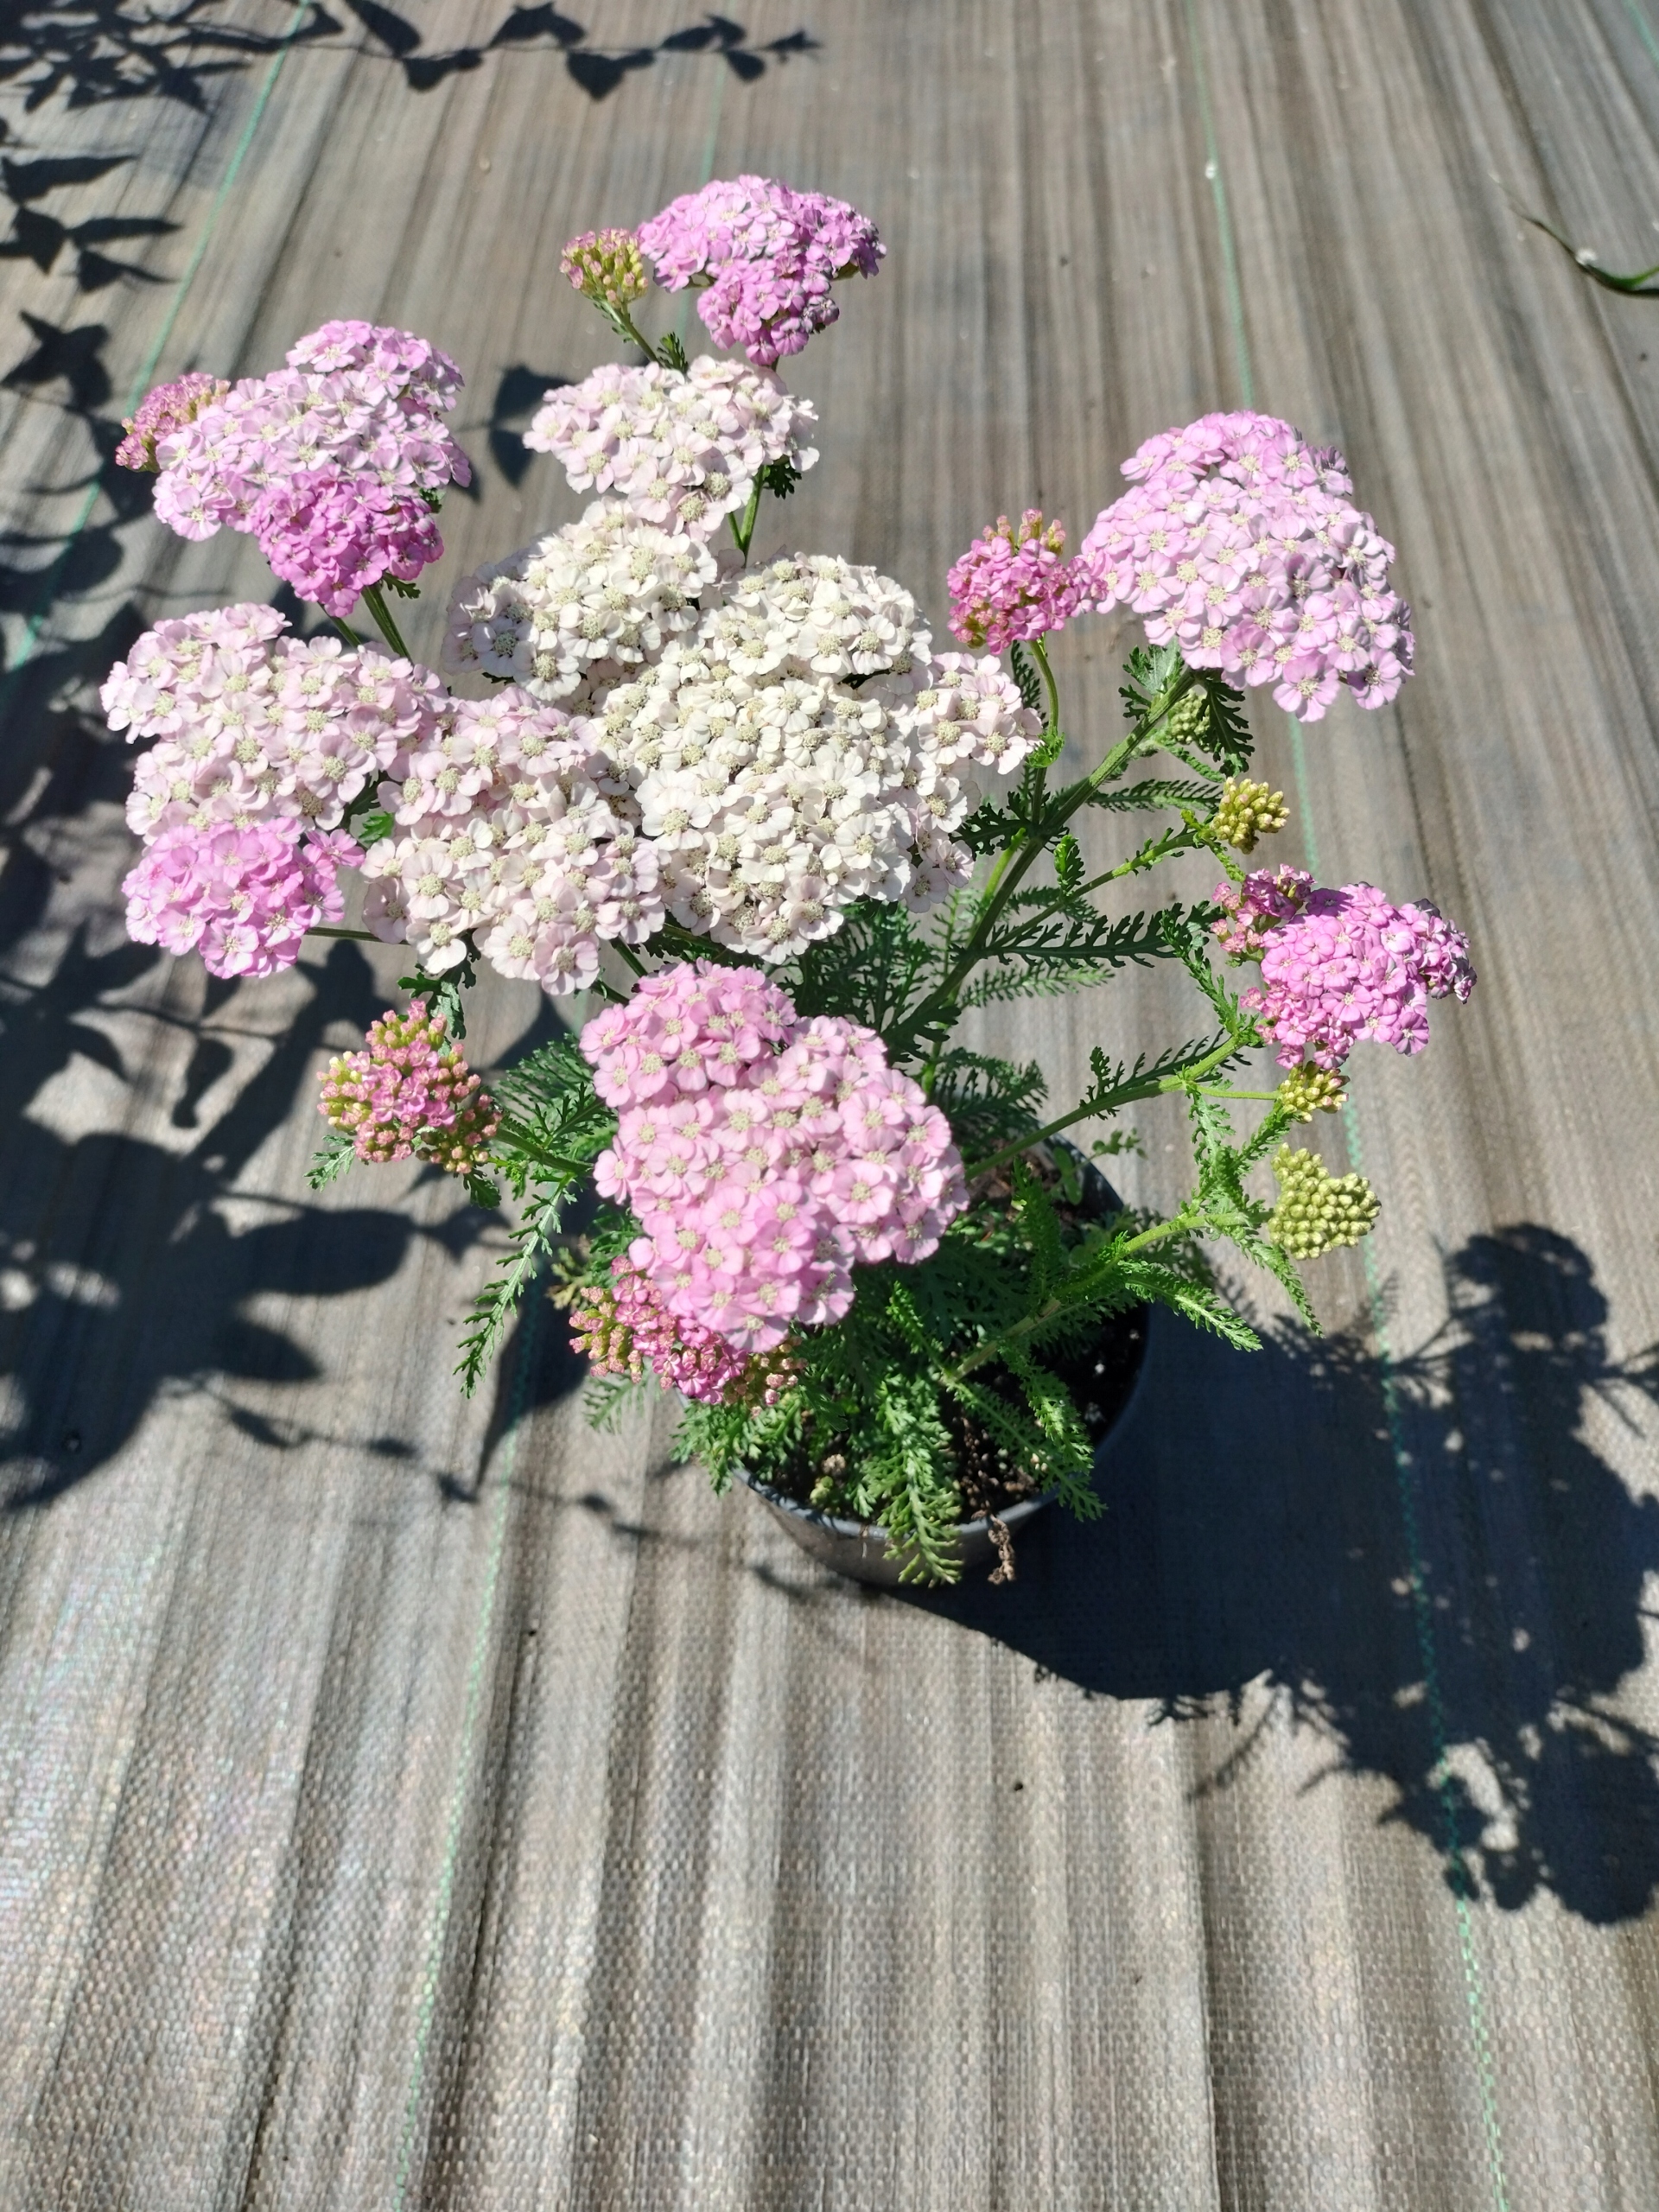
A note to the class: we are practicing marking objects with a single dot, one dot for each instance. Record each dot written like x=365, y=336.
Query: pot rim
x=874, y=1532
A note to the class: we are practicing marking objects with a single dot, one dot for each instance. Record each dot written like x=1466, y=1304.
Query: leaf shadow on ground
x=1430, y=1565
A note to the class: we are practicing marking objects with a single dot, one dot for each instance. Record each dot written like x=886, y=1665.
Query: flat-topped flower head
x=681, y=451
x=1317, y=1212
x=1013, y=582
x=168, y=408
x=763, y=1156
x=243, y=897
x=1239, y=542
x=605, y=267
x=766, y=257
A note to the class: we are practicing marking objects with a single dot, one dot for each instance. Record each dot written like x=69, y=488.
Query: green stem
x=1124, y=1094
x=636, y=963
x=327, y=929
x=345, y=632
x=374, y=600
x=744, y=532
x=1035, y=648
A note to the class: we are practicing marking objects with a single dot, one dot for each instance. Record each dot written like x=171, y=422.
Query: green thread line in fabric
x=44, y=603
x=475, y=1671
x=1643, y=30
x=1485, y=2069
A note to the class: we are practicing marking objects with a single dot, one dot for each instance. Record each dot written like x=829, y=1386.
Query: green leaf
x=369, y=829
x=779, y=477
x=671, y=353
x=338, y=1154
x=442, y=993
x=1028, y=677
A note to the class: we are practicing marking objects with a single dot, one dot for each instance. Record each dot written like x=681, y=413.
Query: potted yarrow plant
x=775, y=848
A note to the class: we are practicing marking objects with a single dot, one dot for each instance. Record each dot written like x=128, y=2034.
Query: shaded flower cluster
x=1316, y=1211
x=324, y=461
x=243, y=897
x=1340, y=966
x=1013, y=582
x=410, y=1089
x=766, y=257
x=680, y=451
x=579, y=611
x=169, y=408
x=763, y=1155
x=1239, y=543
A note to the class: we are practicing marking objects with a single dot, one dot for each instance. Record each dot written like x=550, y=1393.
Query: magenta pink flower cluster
x=169, y=407
x=767, y=256
x=1239, y=543
x=324, y=462
x=263, y=741
x=1012, y=583
x=244, y=898
x=764, y=1155
x=623, y=1328
x=1339, y=967
x=410, y=1089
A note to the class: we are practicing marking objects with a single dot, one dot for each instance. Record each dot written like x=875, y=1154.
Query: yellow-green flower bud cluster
x=1317, y=1211
x=1246, y=811
x=1189, y=717
x=607, y=267
x=1308, y=1090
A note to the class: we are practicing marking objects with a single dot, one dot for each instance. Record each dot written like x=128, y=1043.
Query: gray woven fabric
x=406, y=1802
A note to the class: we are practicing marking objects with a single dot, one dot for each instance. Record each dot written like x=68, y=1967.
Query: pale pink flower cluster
x=682, y=451
x=168, y=408
x=512, y=826
x=253, y=724
x=623, y=1328
x=410, y=1089
x=1344, y=966
x=243, y=897
x=1239, y=543
x=1013, y=582
x=767, y=256
x=358, y=414
x=764, y=1155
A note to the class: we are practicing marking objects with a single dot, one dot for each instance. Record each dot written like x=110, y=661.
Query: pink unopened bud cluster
x=767, y=256
x=169, y=407
x=410, y=1091
x=623, y=1328
x=1240, y=544
x=606, y=266
x=244, y=898
x=1340, y=966
x=324, y=462
x=1012, y=582
x=764, y=1154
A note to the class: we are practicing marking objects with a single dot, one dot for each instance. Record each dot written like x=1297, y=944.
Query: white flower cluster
x=680, y=451
x=578, y=611
x=784, y=748
x=513, y=827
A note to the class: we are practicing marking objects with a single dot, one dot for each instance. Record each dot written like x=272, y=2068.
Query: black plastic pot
x=860, y=1549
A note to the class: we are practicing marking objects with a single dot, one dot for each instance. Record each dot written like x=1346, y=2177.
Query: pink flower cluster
x=244, y=898
x=410, y=1089
x=263, y=741
x=169, y=407
x=623, y=1327
x=764, y=1154
x=1338, y=967
x=767, y=256
x=356, y=417
x=1012, y=582
x=1240, y=544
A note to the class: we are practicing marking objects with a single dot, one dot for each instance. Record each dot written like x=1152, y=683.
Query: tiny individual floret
x=410, y=1089
x=1316, y=1211
x=166, y=409
x=1307, y=1090
x=605, y=267
x=1246, y=811
x=1013, y=582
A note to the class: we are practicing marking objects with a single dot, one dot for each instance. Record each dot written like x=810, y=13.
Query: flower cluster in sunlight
x=765, y=257
x=1013, y=582
x=241, y=896
x=1239, y=543
x=681, y=450
x=763, y=1155
x=410, y=1089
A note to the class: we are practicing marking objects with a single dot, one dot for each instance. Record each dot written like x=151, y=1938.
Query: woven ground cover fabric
x=410, y=1802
